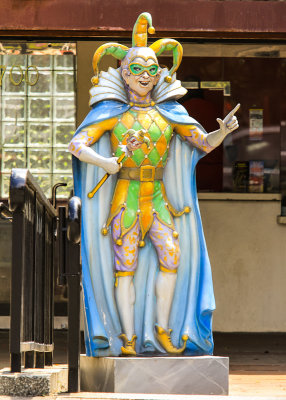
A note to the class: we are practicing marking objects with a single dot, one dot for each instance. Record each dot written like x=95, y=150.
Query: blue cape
x=193, y=301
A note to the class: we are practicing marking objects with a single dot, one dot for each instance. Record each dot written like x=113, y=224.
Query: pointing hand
x=229, y=123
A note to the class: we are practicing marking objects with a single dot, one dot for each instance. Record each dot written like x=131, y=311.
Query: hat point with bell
x=142, y=27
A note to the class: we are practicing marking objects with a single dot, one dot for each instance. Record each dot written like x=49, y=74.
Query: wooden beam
x=87, y=18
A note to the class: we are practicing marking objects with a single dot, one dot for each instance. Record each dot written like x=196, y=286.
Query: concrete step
x=136, y=396
x=34, y=382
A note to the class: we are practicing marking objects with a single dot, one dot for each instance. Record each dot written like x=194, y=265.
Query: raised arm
x=209, y=141
x=79, y=146
x=195, y=136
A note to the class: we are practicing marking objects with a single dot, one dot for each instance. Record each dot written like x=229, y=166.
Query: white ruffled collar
x=111, y=87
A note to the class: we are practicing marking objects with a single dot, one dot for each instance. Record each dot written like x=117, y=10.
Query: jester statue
x=147, y=281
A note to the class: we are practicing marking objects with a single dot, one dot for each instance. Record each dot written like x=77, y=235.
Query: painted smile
x=144, y=83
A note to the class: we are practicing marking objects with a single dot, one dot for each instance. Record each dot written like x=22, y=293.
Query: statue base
x=205, y=375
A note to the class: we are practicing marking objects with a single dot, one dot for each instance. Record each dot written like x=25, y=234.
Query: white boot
x=165, y=287
x=125, y=299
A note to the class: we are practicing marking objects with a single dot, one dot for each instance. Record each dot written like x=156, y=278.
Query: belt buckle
x=147, y=173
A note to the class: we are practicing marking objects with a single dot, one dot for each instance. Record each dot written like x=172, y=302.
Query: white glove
x=110, y=165
x=229, y=123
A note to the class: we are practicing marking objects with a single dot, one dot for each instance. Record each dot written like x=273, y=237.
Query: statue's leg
x=165, y=287
x=125, y=299
x=125, y=258
x=168, y=251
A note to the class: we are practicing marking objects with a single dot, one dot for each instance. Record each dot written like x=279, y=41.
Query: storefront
x=233, y=53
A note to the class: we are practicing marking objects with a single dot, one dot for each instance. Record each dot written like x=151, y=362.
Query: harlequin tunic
x=140, y=194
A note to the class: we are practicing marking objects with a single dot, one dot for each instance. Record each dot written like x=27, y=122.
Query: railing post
x=73, y=273
x=49, y=289
x=39, y=282
x=28, y=277
x=61, y=242
x=18, y=260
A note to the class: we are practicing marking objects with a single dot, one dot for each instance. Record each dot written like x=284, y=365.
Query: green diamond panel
x=168, y=133
x=159, y=204
x=119, y=131
x=154, y=156
x=131, y=203
x=138, y=156
x=118, y=153
x=133, y=113
x=136, y=126
x=164, y=157
x=165, y=215
x=154, y=132
x=158, y=200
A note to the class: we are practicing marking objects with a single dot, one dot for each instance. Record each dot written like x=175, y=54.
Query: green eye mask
x=138, y=69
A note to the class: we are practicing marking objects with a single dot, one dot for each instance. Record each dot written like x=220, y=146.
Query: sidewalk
x=257, y=363
x=257, y=368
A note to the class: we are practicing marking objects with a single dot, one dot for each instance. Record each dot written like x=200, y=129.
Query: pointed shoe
x=128, y=348
x=164, y=338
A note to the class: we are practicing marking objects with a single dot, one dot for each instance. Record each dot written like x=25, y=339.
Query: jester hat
x=139, y=48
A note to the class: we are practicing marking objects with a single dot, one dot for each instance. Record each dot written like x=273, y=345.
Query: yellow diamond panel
x=127, y=120
x=153, y=113
x=129, y=163
x=146, y=162
x=114, y=142
x=161, y=145
x=161, y=122
x=145, y=120
x=119, y=130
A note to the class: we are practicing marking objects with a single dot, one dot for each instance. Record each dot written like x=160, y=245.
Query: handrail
x=20, y=180
x=5, y=213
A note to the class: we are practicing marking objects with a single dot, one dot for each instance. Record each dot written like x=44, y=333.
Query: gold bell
x=119, y=242
x=175, y=234
x=141, y=243
x=187, y=210
x=94, y=80
x=168, y=79
x=151, y=30
x=104, y=231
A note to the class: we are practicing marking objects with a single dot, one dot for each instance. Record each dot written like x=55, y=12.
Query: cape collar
x=111, y=87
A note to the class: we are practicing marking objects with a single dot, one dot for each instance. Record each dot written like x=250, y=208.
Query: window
x=37, y=106
x=220, y=75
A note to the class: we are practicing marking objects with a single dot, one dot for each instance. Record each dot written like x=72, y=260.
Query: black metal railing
x=70, y=274
x=5, y=213
x=45, y=246
x=32, y=278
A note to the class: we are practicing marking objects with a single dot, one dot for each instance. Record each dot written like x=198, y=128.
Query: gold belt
x=147, y=173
